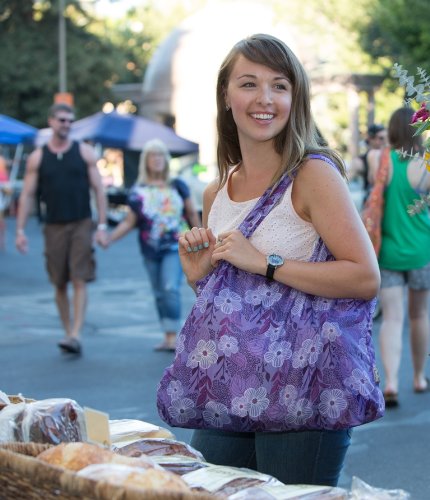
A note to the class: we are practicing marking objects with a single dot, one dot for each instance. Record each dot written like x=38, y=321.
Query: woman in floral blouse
x=160, y=208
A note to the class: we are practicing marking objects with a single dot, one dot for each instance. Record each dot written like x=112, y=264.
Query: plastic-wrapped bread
x=179, y=464
x=76, y=456
x=272, y=491
x=125, y=430
x=4, y=400
x=50, y=421
x=223, y=479
x=123, y=475
x=158, y=446
x=245, y=484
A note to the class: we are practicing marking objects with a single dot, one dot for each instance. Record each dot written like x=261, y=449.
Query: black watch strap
x=270, y=271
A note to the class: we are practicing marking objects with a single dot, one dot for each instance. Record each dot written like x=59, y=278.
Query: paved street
x=118, y=372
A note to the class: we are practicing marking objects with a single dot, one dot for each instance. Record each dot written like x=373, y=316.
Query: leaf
x=237, y=386
x=239, y=360
x=256, y=347
x=421, y=128
x=202, y=398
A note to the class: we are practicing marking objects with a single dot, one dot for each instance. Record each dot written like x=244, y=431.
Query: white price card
x=97, y=423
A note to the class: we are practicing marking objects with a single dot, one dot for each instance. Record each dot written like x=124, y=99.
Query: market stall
x=55, y=449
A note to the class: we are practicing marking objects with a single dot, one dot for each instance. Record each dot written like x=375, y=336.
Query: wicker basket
x=23, y=477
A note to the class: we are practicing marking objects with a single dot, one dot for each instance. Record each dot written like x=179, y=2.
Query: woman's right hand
x=195, y=251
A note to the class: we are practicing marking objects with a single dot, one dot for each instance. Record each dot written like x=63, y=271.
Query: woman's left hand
x=195, y=249
x=234, y=248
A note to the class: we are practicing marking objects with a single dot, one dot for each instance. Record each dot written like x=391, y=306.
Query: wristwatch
x=273, y=262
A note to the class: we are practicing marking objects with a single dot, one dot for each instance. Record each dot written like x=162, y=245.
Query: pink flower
x=422, y=114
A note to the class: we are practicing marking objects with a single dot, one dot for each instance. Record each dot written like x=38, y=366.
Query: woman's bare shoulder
x=211, y=190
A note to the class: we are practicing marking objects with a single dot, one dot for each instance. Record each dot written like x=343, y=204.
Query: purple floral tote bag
x=255, y=355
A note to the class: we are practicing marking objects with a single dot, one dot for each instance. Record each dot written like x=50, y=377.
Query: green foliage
x=397, y=31
x=100, y=52
x=29, y=60
x=338, y=37
x=140, y=32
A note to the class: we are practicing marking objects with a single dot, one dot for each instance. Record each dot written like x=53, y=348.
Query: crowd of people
x=265, y=131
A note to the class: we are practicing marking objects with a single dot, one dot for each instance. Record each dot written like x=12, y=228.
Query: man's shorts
x=69, y=252
x=416, y=279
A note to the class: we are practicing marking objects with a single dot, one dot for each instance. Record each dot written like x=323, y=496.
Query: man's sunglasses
x=65, y=120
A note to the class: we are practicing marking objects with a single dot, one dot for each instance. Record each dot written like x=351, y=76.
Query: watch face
x=275, y=260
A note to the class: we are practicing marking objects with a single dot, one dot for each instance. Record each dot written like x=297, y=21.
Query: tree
x=142, y=29
x=100, y=52
x=29, y=60
x=397, y=31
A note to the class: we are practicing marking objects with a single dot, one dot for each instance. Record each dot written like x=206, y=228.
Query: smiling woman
x=275, y=362
x=259, y=99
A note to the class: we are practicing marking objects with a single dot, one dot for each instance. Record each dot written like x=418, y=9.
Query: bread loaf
x=123, y=475
x=243, y=484
x=154, y=446
x=178, y=464
x=76, y=456
x=4, y=400
x=125, y=430
x=51, y=421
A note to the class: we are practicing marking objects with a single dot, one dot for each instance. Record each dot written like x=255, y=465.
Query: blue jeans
x=305, y=457
x=165, y=274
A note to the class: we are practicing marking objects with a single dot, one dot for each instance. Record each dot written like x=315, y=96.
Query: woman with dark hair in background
x=404, y=258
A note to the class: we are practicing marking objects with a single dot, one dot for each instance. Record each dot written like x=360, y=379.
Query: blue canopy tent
x=15, y=132
x=126, y=131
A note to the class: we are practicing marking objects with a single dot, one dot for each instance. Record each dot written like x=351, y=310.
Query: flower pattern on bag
x=255, y=355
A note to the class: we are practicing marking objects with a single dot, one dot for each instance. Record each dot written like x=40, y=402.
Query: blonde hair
x=300, y=136
x=153, y=146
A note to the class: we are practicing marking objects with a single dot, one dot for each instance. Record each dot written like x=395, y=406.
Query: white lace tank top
x=281, y=232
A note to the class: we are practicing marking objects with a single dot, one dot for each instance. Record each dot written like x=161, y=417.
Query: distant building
x=180, y=81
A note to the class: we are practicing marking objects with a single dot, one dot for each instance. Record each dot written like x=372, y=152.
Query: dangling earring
x=227, y=107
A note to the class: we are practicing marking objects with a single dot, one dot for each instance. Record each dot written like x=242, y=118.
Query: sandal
x=70, y=345
x=165, y=347
x=391, y=399
x=424, y=389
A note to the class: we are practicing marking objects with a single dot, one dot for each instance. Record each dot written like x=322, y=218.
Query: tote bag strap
x=264, y=205
x=384, y=163
x=270, y=199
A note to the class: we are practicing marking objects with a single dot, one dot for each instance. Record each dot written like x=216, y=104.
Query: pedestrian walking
x=5, y=192
x=160, y=208
x=376, y=139
x=287, y=194
x=404, y=257
x=63, y=172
